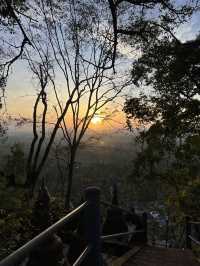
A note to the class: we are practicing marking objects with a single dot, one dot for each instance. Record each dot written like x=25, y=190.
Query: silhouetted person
x=115, y=222
x=136, y=220
x=41, y=218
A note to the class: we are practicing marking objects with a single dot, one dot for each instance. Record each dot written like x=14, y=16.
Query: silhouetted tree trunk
x=70, y=178
x=89, y=86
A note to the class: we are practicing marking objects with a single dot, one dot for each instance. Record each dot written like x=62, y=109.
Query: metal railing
x=91, y=214
x=90, y=210
x=24, y=251
x=194, y=240
x=82, y=256
x=128, y=233
x=108, y=237
x=189, y=237
x=118, y=235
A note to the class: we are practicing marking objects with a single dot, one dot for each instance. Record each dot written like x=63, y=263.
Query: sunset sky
x=22, y=89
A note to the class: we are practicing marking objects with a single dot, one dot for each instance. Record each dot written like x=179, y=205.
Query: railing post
x=144, y=215
x=93, y=226
x=188, y=233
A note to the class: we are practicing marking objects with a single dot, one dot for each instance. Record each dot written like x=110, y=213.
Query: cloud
x=128, y=51
x=190, y=30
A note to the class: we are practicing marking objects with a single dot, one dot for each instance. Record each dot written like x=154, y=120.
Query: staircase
x=156, y=256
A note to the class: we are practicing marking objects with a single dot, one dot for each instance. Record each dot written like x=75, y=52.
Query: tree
x=171, y=68
x=131, y=21
x=3, y=127
x=144, y=21
x=171, y=115
x=14, y=167
x=89, y=23
x=139, y=24
x=11, y=13
x=75, y=44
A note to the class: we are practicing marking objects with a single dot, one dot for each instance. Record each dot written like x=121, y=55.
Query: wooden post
x=144, y=215
x=93, y=226
x=188, y=233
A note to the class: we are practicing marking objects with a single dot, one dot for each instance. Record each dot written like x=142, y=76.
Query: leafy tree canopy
x=167, y=77
x=172, y=70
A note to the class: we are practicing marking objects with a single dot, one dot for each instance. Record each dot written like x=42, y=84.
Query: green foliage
x=170, y=143
x=15, y=162
x=14, y=210
x=190, y=198
x=14, y=218
x=172, y=70
x=3, y=125
x=15, y=230
x=11, y=196
x=171, y=172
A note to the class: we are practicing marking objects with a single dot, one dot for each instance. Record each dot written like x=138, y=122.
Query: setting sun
x=96, y=120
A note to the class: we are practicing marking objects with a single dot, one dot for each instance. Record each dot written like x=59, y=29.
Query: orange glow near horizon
x=97, y=119
x=22, y=92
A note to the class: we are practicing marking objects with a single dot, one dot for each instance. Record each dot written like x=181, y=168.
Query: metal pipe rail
x=108, y=237
x=192, y=222
x=82, y=256
x=189, y=237
x=92, y=219
x=194, y=240
x=24, y=251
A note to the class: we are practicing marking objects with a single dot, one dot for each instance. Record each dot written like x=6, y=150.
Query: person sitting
x=135, y=221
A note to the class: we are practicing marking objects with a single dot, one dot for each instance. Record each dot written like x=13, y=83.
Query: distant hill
x=95, y=147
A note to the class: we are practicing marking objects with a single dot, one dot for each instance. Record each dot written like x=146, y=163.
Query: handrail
x=23, y=251
x=121, y=234
x=194, y=240
x=189, y=237
x=92, y=226
x=194, y=222
x=82, y=256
